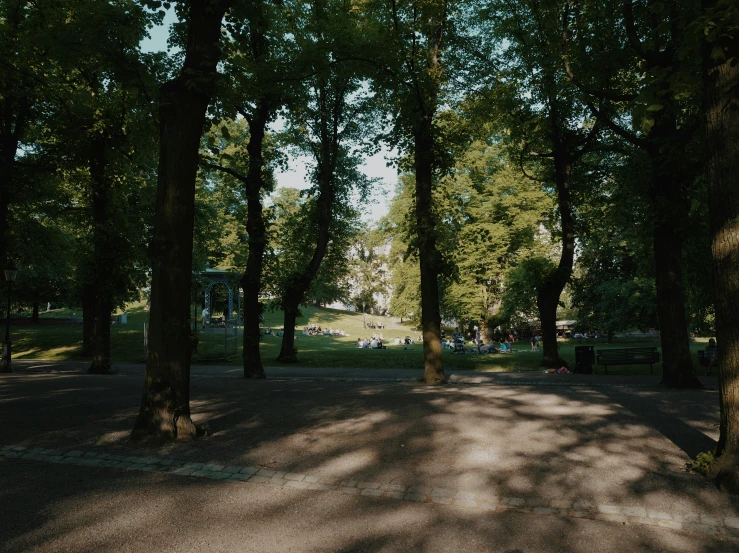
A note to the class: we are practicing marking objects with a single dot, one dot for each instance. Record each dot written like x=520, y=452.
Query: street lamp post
x=5, y=367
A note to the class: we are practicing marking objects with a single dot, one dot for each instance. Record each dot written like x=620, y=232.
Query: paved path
x=296, y=372
x=488, y=463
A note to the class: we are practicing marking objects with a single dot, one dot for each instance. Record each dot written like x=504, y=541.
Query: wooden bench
x=628, y=356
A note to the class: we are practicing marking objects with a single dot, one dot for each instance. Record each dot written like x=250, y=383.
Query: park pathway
x=574, y=458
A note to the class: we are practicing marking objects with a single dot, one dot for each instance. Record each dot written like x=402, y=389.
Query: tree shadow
x=549, y=442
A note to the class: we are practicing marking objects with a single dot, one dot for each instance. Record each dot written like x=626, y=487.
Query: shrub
x=703, y=462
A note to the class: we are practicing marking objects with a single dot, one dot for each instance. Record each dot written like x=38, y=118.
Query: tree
x=165, y=404
x=114, y=113
x=721, y=82
x=614, y=289
x=330, y=123
x=521, y=290
x=405, y=276
x=650, y=39
x=21, y=28
x=256, y=92
x=293, y=236
x=493, y=214
x=548, y=127
x=409, y=79
x=85, y=95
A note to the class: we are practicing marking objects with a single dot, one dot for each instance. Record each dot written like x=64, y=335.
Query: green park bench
x=628, y=356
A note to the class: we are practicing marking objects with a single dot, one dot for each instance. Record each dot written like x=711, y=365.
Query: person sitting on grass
x=503, y=347
x=359, y=343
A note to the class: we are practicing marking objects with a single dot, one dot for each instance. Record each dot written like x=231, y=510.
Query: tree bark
x=326, y=160
x=88, y=318
x=721, y=82
x=301, y=282
x=101, y=352
x=433, y=365
x=668, y=207
x=34, y=312
x=252, y=279
x=548, y=297
x=15, y=112
x=165, y=403
x=102, y=255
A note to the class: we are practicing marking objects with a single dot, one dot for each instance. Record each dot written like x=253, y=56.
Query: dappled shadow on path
x=99, y=511
x=617, y=445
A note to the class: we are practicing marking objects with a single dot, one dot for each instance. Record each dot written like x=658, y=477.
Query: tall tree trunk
x=101, y=352
x=433, y=366
x=165, y=403
x=722, y=136
x=88, y=318
x=301, y=282
x=668, y=207
x=34, y=311
x=664, y=144
x=548, y=297
x=102, y=258
x=6, y=171
x=287, y=349
x=15, y=112
x=424, y=111
x=252, y=279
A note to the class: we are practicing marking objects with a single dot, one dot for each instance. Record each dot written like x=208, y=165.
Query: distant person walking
x=205, y=317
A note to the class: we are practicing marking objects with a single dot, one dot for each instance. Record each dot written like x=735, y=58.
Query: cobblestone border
x=726, y=526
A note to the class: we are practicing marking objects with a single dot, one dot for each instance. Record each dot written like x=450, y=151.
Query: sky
x=295, y=177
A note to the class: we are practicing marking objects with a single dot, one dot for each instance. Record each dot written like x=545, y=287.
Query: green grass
x=64, y=342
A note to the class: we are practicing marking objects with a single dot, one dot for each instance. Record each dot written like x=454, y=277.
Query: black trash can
x=584, y=359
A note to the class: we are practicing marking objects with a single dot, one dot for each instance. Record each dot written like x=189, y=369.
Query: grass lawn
x=64, y=341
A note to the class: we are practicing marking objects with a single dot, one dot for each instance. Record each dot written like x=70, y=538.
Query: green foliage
x=292, y=238
x=220, y=203
x=703, y=463
x=613, y=288
x=492, y=215
x=521, y=288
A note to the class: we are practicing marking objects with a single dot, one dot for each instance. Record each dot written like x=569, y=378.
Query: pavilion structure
x=213, y=277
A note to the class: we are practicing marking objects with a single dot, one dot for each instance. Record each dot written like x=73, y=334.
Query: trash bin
x=584, y=359
x=123, y=319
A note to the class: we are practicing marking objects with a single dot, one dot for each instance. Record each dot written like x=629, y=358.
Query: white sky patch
x=157, y=41
x=296, y=176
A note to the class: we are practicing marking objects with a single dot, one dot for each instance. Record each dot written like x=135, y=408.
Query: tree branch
x=235, y=174
x=651, y=57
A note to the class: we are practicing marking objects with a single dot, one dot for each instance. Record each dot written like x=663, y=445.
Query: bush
x=703, y=463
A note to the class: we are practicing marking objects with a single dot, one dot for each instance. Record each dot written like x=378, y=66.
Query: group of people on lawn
x=503, y=344
x=312, y=329
x=374, y=343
